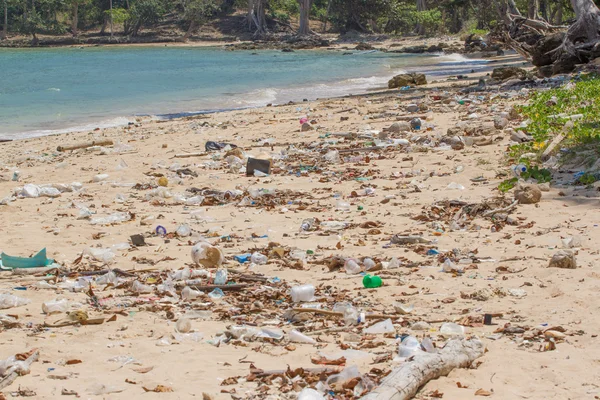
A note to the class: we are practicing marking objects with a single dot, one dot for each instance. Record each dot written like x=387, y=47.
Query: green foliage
x=541, y=175
x=146, y=13
x=197, y=11
x=119, y=15
x=508, y=184
x=581, y=99
x=587, y=179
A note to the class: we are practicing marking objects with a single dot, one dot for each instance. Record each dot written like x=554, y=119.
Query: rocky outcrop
x=403, y=80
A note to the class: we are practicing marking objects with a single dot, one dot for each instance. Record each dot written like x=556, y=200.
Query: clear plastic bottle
x=221, y=277
x=258, y=258
x=409, y=347
x=351, y=266
x=55, y=306
x=303, y=293
x=188, y=294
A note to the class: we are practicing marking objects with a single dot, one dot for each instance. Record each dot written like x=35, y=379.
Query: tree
x=75, y=15
x=256, y=16
x=145, y=13
x=421, y=6
x=552, y=49
x=533, y=7
x=305, y=6
x=4, y=33
x=196, y=12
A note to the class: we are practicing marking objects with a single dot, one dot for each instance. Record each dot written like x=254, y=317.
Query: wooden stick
x=106, y=142
x=328, y=330
x=339, y=314
x=499, y=210
x=359, y=150
x=13, y=374
x=187, y=155
x=318, y=370
x=33, y=271
x=224, y=288
x=404, y=382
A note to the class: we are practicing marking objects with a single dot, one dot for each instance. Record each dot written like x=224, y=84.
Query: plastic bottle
x=188, y=294
x=140, y=288
x=221, y=277
x=452, y=329
x=303, y=293
x=409, y=347
x=10, y=301
x=307, y=225
x=298, y=337
x=183, y=231
x=55, y=306
x=352, y=267
x=518, y=169
x=368, y=263
x=372, y=282
x=258, y=258
x=351, y=316
x=309, y=394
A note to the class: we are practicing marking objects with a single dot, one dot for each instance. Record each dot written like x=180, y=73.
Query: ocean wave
x=109, y=123
x=53, y=89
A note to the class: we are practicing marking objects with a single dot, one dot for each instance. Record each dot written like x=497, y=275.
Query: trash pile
x=367, y=244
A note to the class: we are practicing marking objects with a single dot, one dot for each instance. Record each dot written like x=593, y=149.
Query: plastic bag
x=10, y=301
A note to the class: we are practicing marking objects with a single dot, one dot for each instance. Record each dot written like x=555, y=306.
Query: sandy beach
x=415, y=189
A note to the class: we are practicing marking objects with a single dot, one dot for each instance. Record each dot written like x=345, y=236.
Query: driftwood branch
x=85, y=145
x=404, y=382
x=14, y=372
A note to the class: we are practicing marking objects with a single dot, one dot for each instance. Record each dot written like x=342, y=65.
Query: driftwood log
x=554, y=49
x=85, y=145
x=14, y=372
x=404, y=382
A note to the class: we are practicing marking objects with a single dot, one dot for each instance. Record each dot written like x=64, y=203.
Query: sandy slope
x=512, y=369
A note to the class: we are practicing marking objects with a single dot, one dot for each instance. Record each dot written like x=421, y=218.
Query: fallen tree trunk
x=556, y=49
x=404, y=382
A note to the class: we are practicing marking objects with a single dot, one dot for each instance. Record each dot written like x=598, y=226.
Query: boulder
x=563, y=259
x=504, y=73
x=400, y=81
x=500, y=123
x=403, y=80
x=364, y=46
x=528, y=194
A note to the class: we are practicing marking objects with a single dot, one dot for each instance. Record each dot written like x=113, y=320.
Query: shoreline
x=128, y=119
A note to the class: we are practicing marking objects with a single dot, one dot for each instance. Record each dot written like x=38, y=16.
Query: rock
x=528, y=194
x=502, y=74
x=364, y=46
x=307, y=127
x=500, y=123
x=420, y=79
x=434, y=49
x=398, y=127
x=403, y=80
x=399, y=81
x=563, y=259
x=513, y=114
x=412, y=108
x=420, y=326
x=287, y=50
x=519, y=136
x=544, y=187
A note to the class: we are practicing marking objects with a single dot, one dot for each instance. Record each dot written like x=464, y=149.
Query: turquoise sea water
x=46, y=91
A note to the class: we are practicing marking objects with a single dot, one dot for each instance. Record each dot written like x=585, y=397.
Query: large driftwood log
x=104, y=142
x=555, y=49
x=404, y=382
